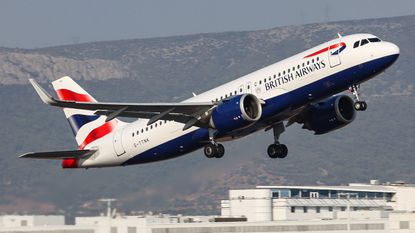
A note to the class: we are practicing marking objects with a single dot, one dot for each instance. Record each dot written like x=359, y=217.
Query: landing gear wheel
x=364, y=105
x=283, y=151
x=220, y=151
x=210, y=150
x=277, y=151
x=272, y=151
x=360, y=105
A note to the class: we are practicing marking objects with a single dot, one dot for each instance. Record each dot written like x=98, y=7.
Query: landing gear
x=358, y=105
x=212, y=150
x=277, y=150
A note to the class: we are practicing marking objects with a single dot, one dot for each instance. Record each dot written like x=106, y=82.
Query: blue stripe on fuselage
x=320, y=89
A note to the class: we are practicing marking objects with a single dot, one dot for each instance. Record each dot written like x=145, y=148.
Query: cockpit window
x=374, y=39
x=356, y=44
x=365, y=41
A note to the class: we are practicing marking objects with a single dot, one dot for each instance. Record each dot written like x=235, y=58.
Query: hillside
x=379, y=144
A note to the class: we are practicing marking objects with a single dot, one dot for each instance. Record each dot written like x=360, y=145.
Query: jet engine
x=236, y=112
x=329, y=115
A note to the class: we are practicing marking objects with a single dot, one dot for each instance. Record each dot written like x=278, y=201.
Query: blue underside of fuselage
x=295, y=99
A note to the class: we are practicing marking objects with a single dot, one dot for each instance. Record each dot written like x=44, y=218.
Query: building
x=271, y=203
x=31, y=220
x=357, y=208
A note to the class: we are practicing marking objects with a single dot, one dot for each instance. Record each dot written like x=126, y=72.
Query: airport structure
x=374, y=208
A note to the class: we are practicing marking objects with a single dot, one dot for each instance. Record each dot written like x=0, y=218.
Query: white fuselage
x=305, y=77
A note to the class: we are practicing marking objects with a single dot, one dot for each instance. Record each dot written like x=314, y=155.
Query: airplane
x=306, y=88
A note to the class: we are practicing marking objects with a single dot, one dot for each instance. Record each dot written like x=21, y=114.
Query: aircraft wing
x=68, y=154
x=188, y=113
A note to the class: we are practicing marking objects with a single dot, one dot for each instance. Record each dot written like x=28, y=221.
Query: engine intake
x=329, y=115
x=236, y=112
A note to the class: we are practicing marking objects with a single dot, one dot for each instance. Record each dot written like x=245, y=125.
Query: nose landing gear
x=358, y=104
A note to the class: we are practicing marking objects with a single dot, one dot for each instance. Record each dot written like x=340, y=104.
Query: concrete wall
x=255, y=204
x=405, y=200
x=402, y=222
x=31, y=220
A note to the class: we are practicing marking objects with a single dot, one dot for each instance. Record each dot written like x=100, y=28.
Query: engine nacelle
x=236, y=113
x=329, y=115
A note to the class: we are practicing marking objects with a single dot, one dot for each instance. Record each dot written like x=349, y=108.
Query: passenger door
x=334, y=55
x=118, y=147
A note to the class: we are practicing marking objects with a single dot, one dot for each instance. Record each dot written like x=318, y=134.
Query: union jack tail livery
x=86, y=126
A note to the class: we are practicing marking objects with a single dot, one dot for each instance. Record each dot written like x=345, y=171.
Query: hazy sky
x=40, y=23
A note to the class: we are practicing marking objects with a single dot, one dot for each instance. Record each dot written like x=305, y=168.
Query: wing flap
x=69, y=154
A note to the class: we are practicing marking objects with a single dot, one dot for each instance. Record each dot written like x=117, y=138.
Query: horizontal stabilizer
x=69, y=154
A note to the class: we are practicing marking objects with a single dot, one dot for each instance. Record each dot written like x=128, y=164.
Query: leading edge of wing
x=187, y=108
x=68, y=154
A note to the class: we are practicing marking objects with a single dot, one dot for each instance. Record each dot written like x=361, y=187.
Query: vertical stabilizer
x=86, y=126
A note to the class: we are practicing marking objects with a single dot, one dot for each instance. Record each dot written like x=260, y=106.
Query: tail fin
x=86, y=126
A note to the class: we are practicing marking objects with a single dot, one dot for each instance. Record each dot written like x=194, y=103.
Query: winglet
x=44, y=96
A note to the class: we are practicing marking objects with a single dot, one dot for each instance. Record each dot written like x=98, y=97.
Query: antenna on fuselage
x=339, y=35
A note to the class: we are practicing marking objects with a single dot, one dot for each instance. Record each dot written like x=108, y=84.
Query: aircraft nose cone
x=394, y=49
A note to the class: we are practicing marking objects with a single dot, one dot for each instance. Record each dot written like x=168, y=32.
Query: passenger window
x=374, y=40
x=318, y=58
x=312, y=61
x=236, y=92
x=133, y=134
x=269, y=79
x=289, y=70
x=365, y=41
x=226, y=96
x=293, y=68
x=260, y=82
x=275, y=76
x=356, y=44
x=146, y=128
x=151, y=126
x=303, y=64
x=283, y=73
x=298, y=67
x=265, y=80
x=308, y=62
x=240, y=90
x=142, y=130
x=138, y=131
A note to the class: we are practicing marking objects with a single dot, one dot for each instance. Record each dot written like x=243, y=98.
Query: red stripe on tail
x=99, y=132
x=68, y=95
